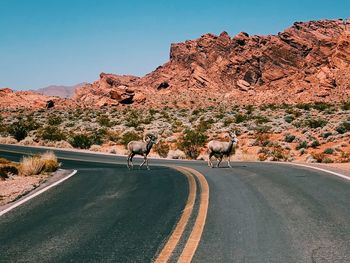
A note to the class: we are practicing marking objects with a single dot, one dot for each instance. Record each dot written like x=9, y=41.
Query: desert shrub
x=289, y=118
x=97, y=137
x=50, y=161
x=249, y=109
x=345, y=105
x=241, y=118
x=128, y=137
x=18, y=130
x=303, y=106
x=318, y=157
x=278, y=154
x=263, y=154
x=54, y=120
x=316, y=123
x=345, y=157
x=315, y=144
x=326, y=134
x=32, y=165
x=263, y=129
x=191, y=141
x=301, y=145
x=321, y=106
x=205, y=125
x=289, y=138
x=113, y=135
x=328, y=151
x=294, y=112
x=343, y=127
x=82, y=141
x=228, y=121
x=103, y=120
x=162, y=149
x=38, y=164
x=8, y=168
x=51, y=133
x=260, y=119
x=262, y=139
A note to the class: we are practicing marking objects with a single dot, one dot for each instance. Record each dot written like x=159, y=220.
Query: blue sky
x=65, y=42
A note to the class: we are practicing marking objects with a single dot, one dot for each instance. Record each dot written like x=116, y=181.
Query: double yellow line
x=197, y=230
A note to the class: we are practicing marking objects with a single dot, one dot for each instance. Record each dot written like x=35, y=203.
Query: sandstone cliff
x=307, y=62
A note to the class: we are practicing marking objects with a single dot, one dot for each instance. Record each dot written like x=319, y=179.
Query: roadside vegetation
x=29, y=166
x=301, y=132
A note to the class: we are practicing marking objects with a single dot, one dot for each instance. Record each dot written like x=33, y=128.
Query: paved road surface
x=258, y=212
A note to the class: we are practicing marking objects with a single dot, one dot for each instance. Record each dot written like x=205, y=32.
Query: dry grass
x=36, y=165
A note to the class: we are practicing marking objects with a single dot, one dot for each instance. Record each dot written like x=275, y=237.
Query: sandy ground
x=17, y=186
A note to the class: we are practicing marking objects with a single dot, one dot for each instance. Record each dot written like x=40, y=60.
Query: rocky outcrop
x=10, y=99
x=307, y=62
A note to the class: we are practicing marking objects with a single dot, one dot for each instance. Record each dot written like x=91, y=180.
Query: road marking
x=37, y=193
x=169, y=247
x=196, y=234
x=320, y=169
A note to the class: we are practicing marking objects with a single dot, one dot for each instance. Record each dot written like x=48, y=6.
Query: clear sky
x=65, y=42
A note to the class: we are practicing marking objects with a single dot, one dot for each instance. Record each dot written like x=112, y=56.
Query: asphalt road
x=258, y=212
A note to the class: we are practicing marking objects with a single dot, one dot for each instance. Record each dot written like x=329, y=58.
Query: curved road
x=258, y=212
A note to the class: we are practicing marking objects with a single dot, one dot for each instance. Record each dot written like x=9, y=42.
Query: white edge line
x=37, y=193
x=320, y=169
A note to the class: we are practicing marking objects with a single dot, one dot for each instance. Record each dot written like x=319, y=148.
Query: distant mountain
x=59, y=91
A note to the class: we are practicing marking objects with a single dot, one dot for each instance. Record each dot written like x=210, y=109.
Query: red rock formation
x=307, y=62
x=26, y=99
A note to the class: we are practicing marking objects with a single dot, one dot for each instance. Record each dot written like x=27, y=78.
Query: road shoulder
x=34, y=188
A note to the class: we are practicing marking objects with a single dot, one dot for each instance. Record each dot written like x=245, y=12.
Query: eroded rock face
x=307, y=62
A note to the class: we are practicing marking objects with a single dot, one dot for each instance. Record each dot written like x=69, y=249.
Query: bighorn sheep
x=142, y=148
x=220, y=149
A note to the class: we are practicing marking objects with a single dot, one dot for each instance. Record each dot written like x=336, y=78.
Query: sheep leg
x=144, y=161
x=228, y=161
x=147, y=163
x=130, y=156
x=210, y=164
x=219, y=161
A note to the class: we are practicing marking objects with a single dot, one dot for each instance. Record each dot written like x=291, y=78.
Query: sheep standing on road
x=221, y=149
x=142, y=148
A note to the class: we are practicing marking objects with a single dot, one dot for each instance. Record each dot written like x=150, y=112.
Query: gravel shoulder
x=18, y=187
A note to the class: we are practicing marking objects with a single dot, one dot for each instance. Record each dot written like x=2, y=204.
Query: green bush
x=345, y=105
x=303, y=106
x=321, y=106
x=18, y=130
x=343, y=127
x=316, y=123
x=128, y=137
x=289, y=138
x=97, y=137
x=103, y=120
x=260, y=119
x=191, y=141
x=54, y=120
x=315, y=144
x=82, y=141
x=52, y=133
x=289, y=118
x=301, y=145
x=326, y=134
x=241, y=118
x=328, y=151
